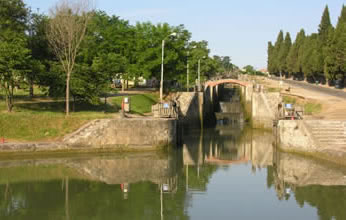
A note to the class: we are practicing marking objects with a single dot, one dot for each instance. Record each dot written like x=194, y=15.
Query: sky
x=240, y=29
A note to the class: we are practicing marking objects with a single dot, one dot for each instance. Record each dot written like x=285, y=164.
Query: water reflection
x=219, y=168
x=315, y=183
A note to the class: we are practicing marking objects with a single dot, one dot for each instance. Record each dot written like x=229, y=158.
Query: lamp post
x=163, y=54
x=199, y=73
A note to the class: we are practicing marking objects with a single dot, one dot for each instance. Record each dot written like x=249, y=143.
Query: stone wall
x=126, y=133
x=264, y=108
x=190, y=112
x=294, y=136
x=298, y=136
x=120, y=134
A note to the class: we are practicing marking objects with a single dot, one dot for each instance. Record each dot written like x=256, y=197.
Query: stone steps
x=329, y=133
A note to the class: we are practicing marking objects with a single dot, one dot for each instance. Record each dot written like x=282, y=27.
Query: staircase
x=328, y=133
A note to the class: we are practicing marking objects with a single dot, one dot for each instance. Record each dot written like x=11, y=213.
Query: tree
x=14, y=54
x=250, y=69
x=293, y=64
x=335, y=60
x=325, y=25
x=283, y=52
x=65, y=32
x=110, y=36
x=276, y=52
x=270, y=60
x=40, y=53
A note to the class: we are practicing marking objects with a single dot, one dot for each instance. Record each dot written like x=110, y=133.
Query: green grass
x=140, y=103
x=312, y=108
x=288, y=99
x=273, y=89
x=45, y=120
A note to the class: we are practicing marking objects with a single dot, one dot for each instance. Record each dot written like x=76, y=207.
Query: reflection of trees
x=305, y=178
x=329, y=200
x=199, y=179
x=89, y=200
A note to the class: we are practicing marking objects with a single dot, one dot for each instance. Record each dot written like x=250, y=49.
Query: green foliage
x=335, y=61
x=320, y=55
x=14, y=54
x=325, y=25
x=283, y=53
x=270, y=60
x=293, y=61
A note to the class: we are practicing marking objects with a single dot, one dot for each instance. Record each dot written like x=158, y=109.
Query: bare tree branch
x=65, y=32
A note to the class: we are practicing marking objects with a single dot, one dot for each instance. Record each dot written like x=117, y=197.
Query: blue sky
x=240, y=29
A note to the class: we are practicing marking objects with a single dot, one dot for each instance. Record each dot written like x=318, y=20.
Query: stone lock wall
x=126, y=133
x=264, y=108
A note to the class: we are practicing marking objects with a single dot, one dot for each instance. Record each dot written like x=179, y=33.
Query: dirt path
x=333, y=107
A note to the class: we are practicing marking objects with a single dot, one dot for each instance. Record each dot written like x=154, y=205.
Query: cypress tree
x=270, y=57
x=276, y=51
x=283, y=52
x=335, y=61
x=293, y=65
x=325, y=25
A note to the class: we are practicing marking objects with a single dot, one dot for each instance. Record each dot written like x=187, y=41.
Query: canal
x=221, y=173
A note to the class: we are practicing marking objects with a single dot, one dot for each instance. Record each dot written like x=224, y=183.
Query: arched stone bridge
x=226, y=81
x=259, y=104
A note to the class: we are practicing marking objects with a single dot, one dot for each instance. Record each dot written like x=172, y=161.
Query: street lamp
x=199, y=73
x=163, y=49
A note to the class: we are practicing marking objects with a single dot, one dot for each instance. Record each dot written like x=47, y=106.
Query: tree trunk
x=68, y=94
x=31, y=89
x=123, y=85
x=74, y=104
x=9, y=98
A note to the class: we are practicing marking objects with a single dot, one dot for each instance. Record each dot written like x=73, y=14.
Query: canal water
x=221, y=173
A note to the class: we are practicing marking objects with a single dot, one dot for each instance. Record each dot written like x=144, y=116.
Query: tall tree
x=293, y=64
x=40, y=53
x=65, y=32
x=325, y=25
x=14, y=54
x=276, y=52
x=335, y=61
x=270, y=51
x=283, y=52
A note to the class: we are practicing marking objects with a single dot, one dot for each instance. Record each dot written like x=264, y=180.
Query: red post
x=2, y=140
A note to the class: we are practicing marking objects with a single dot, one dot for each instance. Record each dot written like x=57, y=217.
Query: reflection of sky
x=235, y=193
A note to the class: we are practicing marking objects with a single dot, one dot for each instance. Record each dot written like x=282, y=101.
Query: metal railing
x=164, y=110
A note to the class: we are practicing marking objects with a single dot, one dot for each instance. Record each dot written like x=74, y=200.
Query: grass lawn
x=43, y=118
x=46, y=120
x=310, y=107
x=140, y=103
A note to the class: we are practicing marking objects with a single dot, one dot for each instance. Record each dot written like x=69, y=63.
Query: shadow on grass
x=59, y=106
